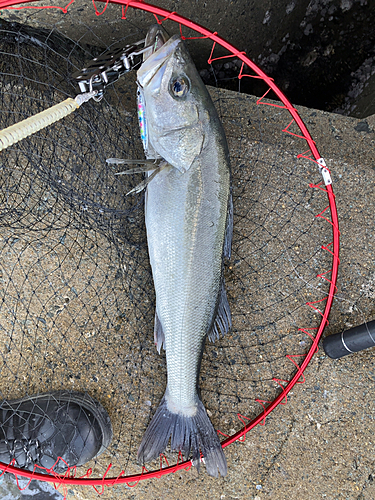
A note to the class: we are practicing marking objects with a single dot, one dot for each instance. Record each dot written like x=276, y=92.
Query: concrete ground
x=320, y=444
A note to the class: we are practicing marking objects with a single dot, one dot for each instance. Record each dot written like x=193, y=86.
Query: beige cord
x=23, y=129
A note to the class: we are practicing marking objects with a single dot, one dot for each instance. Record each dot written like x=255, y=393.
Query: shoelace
x=31, y=448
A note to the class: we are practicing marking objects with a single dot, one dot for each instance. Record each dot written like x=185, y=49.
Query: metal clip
x=109, y=67
x=325, y=172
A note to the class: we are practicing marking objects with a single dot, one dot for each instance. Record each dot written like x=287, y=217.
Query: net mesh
x=76, y=293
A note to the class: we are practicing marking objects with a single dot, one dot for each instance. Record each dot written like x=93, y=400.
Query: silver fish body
x=188, y=232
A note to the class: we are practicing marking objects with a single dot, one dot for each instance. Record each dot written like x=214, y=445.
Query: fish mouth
x=156, y=37
x=158, y=49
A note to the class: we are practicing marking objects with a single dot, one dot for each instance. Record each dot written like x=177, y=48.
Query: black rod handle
x=353, y=340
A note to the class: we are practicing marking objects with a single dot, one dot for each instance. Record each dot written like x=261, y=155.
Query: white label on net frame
x=325, y=172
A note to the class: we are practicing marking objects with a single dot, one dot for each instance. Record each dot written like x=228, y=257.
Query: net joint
x=108, y=68
x=324, y=171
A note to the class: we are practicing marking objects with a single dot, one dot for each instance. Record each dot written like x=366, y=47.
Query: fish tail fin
x=187, y=433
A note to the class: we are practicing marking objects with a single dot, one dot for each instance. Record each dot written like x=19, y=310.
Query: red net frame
x=312, y=154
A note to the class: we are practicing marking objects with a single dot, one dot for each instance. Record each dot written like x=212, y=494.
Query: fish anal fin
x=159, y=337
x=223, y=320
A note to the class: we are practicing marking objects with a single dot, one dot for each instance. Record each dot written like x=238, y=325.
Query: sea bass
x=189, y=229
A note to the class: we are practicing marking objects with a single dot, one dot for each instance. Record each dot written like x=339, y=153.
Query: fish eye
x=179, y=86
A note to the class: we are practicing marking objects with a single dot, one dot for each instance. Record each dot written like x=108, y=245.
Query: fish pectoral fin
x=223, y=320
x=127, y=161
x=159, y=336
x=142, y=185
x=143, y=165
x=182, y=146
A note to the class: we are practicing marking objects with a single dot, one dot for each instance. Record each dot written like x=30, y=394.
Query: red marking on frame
x=195, y=37
x=325, y=218
x=242, y=419
x=64, y=491
x=324, y=278
x=181, y=458
x=222, y=434
x=11, y=464
x=319, y=186
x=308, y=157
x=104, y=8
x=330, y=251
x=123, y=15
x=305, y=330
x=316, y=309
x=116, y=479
x=280, y=383
x=103, y=478
x=241, y=74
x=163, y=457
x=296, y=135
x=160, y=21
x=259, y=101
x=18, y=484
x=290, y=357
x=263, y=403
x=59, y=478
x=63, y=9
x=188, y=466
x=234, y=54
x=136, y=482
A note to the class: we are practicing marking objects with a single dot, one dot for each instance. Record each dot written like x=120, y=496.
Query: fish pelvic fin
x=159, y=337
x=187, y=434
x=223, y=320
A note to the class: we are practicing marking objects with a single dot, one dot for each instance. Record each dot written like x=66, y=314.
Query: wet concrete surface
x=320, y=444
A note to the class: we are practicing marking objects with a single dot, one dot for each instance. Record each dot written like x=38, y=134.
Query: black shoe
x=40, y=429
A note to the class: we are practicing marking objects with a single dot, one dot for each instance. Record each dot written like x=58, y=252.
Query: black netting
x=76, y=292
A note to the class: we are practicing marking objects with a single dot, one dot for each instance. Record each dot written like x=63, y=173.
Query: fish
x=189, y=225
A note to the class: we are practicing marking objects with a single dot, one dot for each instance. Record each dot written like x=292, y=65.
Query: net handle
x=15, y=133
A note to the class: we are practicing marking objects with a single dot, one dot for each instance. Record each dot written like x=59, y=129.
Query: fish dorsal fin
x=229, y=229
x=223, y=320
x=159, y=337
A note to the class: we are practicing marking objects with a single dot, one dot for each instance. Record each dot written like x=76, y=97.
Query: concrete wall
x=313, y=48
